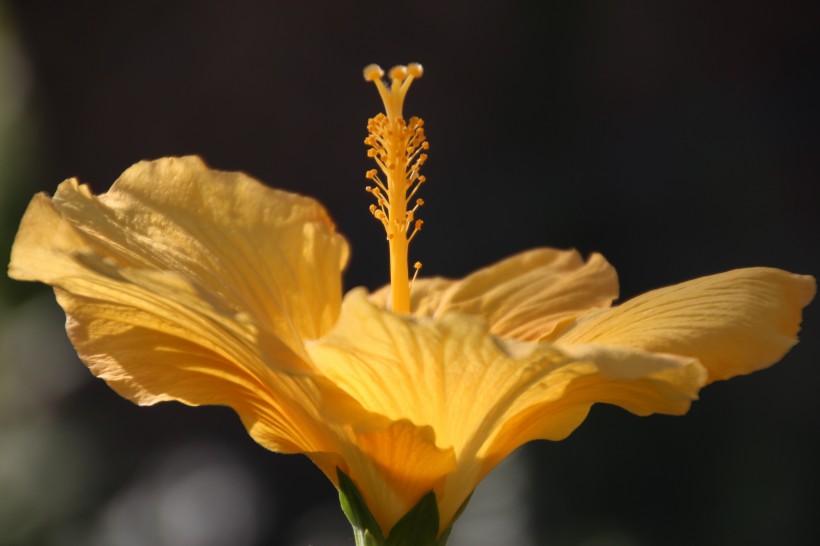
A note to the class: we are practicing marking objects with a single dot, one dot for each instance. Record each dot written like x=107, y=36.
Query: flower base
x=418, y=527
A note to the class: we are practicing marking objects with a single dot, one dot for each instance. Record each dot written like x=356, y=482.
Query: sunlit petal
x=447, y=374
x=271, y=254
x=733, y=323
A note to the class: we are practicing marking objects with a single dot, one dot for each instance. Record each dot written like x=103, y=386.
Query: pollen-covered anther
x=417, y=268
x=419, y=202
x=416, y=228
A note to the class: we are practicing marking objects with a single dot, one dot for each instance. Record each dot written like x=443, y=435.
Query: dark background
x=678, y=138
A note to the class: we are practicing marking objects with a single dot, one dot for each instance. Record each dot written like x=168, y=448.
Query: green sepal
x=365, y=528
x=419, y=526
x=442, y=540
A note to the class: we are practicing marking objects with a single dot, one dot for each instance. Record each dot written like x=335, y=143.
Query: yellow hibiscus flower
x=206, y=287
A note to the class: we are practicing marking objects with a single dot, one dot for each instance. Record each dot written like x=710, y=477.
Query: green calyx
x=418, y=527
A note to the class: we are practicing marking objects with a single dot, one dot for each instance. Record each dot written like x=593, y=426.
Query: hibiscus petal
x=164, y=281
x=524, y=296
x=553, y=407
x=449, y=374
x=485, y=396
x=149, y=359
x=733, y=323
x=394, y=467
x=272, y=254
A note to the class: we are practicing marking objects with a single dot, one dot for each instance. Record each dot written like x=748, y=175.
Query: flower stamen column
x=398, y=148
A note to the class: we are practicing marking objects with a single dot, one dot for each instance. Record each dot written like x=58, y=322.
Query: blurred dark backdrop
x=678, y=138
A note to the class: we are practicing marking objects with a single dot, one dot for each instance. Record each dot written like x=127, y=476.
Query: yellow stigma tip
x=373, y=72
x=417, y=265
x=398, y=72
x=415, y=70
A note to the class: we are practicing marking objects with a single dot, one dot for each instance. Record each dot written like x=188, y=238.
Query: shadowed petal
x=638, y=381
x=522, y=297
x=148, y=358
x=734, y=322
